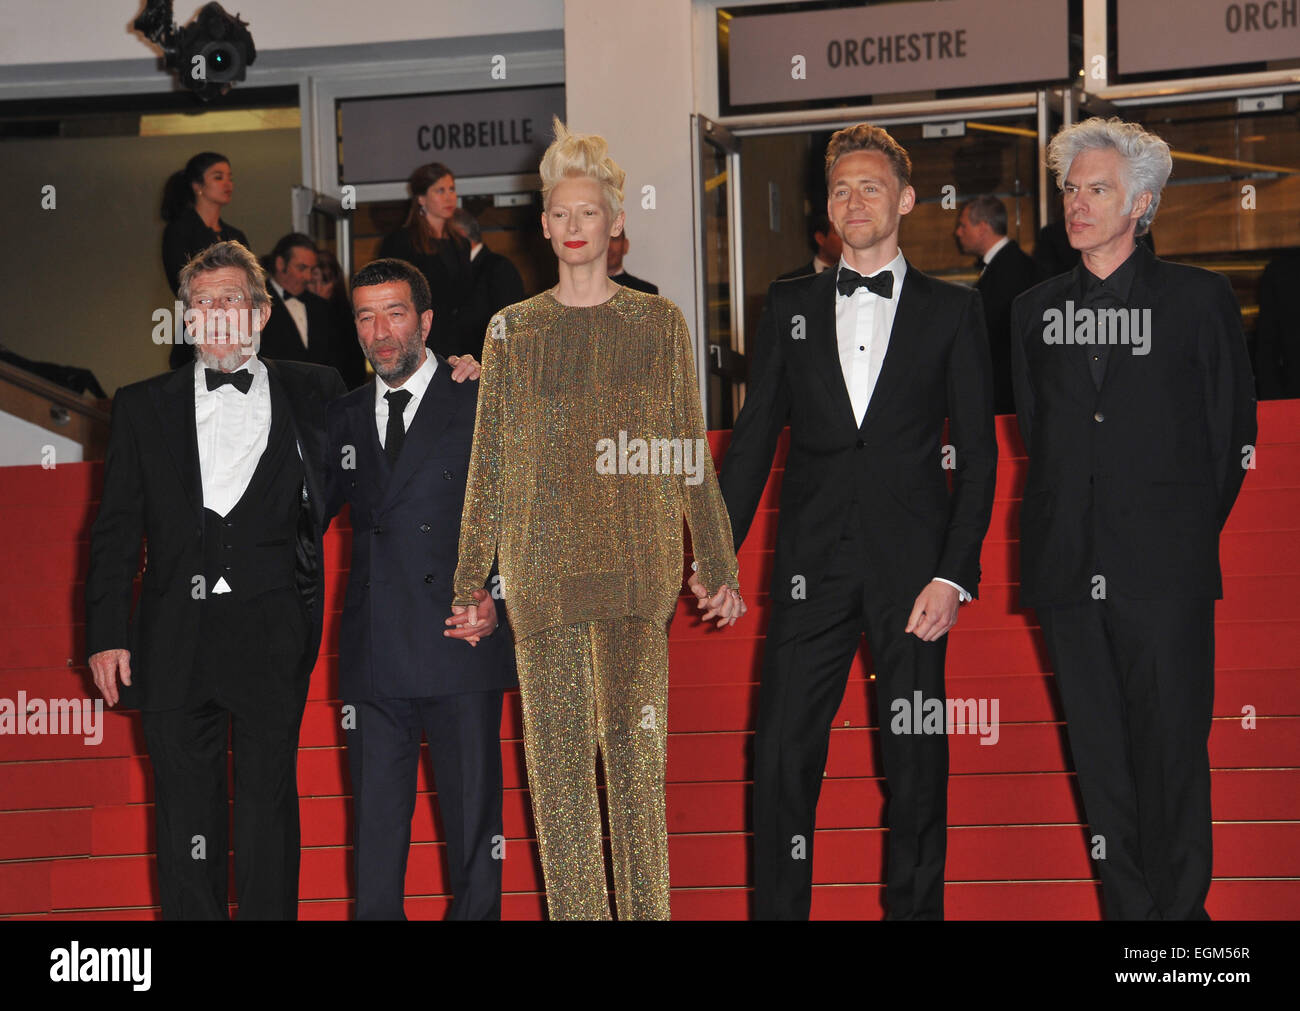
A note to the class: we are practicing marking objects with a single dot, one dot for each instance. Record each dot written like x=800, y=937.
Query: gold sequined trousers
x=598, y=684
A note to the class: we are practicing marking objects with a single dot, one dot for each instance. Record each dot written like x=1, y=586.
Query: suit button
x=446, y=475
x=366, y=585
x=226, y=546
x=353, y=483
x=1099, y=416
x=229, y=524
x=424, y=528
x=378, y=530
x=428, y=578
x=226, y=567
x=861, y=444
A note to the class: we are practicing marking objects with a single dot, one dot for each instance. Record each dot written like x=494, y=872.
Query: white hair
x=1147, y=162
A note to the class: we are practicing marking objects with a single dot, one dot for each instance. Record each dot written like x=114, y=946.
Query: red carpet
x=76, y=821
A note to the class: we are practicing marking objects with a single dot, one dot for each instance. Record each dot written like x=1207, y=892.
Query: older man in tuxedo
x=865, y=363
x=1136, y=404
x=399, y=455
x=221, y=468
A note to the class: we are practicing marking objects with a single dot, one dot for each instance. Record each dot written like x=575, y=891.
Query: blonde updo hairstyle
x=579, y=155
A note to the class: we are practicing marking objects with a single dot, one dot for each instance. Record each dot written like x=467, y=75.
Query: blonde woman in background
x=589, y=538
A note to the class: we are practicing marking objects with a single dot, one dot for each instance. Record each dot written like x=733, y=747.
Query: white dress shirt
x=864, y=322
x=233, y=429
x=994, y=250
x=415, y=386
x=297, y=309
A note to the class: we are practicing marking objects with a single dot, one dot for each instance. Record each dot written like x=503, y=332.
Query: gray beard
x=229, y=361
x=406, y=365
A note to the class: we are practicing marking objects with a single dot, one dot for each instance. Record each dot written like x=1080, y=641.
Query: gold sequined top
x=589, y=446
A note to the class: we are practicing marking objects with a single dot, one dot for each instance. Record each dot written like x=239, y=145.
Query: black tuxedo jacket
x=808, y=268
x=153, y=489
x=1011, y=272
x=936, y=368
x=280, y=338
x=1134, y=481
x=497, y=284
x=405, y=538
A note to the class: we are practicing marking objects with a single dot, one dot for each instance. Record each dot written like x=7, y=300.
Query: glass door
x=720, y=355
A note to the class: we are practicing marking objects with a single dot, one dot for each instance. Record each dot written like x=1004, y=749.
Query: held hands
x=106, y=665
x=474, y=622
x=934, y=612
x=463, y=367
x=726, y=605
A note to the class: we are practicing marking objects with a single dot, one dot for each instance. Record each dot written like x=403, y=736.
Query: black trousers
x=810, y=648
x=245, y=695
x=1137, y=681
x=464, y=734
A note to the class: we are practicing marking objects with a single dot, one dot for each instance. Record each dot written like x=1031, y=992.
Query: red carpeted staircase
x=76, y=820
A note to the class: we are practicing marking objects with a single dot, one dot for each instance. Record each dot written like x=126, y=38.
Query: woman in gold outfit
x=589, y=448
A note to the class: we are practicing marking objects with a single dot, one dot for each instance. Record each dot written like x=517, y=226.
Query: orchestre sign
x=896, y=47
x=503, y=131
x=1209, y=33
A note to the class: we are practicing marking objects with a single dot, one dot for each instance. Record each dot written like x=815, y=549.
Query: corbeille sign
x=894, y=47
x=476, y=133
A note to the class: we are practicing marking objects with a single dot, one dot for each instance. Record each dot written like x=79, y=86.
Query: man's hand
x=934, y=612
x=463, y=367
x=726, y=604
x=474, y=622
x=106, y=665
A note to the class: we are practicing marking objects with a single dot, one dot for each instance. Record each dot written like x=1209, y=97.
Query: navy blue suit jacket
x=405, y=536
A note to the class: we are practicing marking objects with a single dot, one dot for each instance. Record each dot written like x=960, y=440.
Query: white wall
x=628, y=77
x=69, y=31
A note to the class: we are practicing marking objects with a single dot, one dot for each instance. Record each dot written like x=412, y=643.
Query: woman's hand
x=726, y=605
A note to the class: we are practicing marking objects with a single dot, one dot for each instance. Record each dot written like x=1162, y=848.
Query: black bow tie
x=241, y=380
x=881, y=284
x=289, y=295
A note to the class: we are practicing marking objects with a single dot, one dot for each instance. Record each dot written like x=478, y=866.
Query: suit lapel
x=432, y=416
x=826, y=346
x=174, y=401
x=1140, y=294
x=909, y=327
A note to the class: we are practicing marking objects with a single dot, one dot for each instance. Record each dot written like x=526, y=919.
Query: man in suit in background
x=1277, y=348
x=618, y=247
x=399, y=455
x=1137, y=408
x=865, y=370
x=221, y=468
x=826, y=245
x=301, y=327
x=497, y=283
x=1006, y=271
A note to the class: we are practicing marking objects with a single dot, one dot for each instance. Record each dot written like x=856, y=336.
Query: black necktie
x=240, y=380
x=881, y=284
x=396, y=433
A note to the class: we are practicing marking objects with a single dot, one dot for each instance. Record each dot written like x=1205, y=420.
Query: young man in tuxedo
x=865, y=370
x=399, y=455
x=1136, y=405
x=1006, y=271
x=301, y=327
x=221, y=468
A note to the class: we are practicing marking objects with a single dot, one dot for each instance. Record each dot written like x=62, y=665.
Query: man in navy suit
x=399, y=454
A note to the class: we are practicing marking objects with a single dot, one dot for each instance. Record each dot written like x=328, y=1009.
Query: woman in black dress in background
x=192, y=203
x=328, y=282
x=428, y=242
